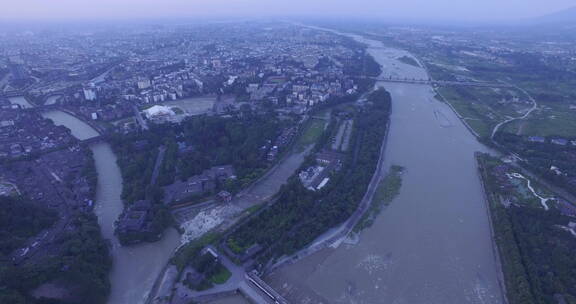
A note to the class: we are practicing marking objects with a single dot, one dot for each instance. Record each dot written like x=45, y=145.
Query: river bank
x=335, y=236
x=80, y=129
x=433, y=244
x=135, y=268
x=495, y=248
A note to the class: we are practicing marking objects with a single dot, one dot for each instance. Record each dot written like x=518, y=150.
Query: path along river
x=433, y=244
x=135, y=267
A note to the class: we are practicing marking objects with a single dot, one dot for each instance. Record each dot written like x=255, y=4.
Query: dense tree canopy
x=300, y=215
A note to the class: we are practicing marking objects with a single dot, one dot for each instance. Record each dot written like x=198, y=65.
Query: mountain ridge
x=563, y=16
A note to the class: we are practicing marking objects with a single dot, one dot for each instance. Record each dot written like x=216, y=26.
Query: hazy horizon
x=439, y=10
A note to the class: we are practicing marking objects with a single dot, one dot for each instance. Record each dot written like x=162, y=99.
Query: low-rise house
x=327, y=157
x=224, y=196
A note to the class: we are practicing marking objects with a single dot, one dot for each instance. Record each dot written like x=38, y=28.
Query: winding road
x=534, y=107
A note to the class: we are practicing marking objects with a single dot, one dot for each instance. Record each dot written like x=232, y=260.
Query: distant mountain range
x=567, y=16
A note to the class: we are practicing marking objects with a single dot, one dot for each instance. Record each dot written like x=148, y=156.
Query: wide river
x=136, y=267
x=433, y=244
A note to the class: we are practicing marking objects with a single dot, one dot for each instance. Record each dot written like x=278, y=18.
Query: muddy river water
x=433, y=244
x=135, y=267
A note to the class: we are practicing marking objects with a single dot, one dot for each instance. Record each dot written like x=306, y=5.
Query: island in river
x=433, y=245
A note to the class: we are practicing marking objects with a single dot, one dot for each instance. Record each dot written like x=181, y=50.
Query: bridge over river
x=441, y=82
x=246, y=282
x=432, y=244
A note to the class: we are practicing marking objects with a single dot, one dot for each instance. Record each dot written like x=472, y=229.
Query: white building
x=89, y=94
x=143, y=83
x=158, y=112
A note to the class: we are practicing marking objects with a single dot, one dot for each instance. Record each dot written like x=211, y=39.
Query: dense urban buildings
x=292, y=161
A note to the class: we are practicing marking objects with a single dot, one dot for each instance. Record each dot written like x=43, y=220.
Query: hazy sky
x=472, y=10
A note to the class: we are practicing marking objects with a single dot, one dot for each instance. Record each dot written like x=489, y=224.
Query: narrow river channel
x=433, y=244
x=136, y=267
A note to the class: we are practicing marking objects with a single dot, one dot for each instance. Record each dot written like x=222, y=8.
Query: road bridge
x=12, y=93
x=247, y=283
x=442, y=82
x=272, y=296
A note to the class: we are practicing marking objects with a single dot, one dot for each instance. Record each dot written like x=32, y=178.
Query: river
x=80, y=129
x=432, y=244
x=51, y=100
x=136, y=267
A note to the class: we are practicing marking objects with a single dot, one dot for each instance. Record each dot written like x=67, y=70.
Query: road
x=239, y=280
x=143, y=124
x=257, y=193
x=534, y=107
x=159, y=160
x=4, y=81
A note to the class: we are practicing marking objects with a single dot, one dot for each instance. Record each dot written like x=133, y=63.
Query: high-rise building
x=90, y=93
x=144, y=83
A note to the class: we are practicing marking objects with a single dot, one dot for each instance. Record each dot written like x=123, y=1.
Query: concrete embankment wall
x=214, y=297
x=495, y=248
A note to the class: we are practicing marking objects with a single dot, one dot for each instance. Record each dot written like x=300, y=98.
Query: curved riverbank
x=433, y=244
x=335, y=236
x=80, y=129
x=135, y=268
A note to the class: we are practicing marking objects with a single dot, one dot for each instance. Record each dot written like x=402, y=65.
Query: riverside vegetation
x=298, y=216
x=83, y=265
x=79, y=260
x=388, y=189
x=538, y=257
x=208, y=141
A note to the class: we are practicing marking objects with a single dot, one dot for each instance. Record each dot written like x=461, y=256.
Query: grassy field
x=553, y=119
x=482, y=108
x=482, y=128
x=476, y=115
x=387, y=190
x=312, y=132
x=221, y=276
